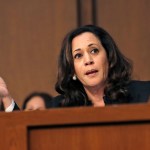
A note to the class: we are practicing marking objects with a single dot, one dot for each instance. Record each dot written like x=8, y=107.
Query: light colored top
x=10, y=107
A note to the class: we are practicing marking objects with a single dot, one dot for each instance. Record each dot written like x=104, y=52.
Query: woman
x=37, y=101
x=93, y=71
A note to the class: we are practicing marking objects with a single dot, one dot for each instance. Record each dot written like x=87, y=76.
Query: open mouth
x=93, y=71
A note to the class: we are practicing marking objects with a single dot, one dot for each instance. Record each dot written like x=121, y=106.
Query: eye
x=77, y=56
x=95, y=50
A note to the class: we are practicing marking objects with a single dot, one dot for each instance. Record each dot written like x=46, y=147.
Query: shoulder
x=139, y=85
x=57, y=101
x=139, y=90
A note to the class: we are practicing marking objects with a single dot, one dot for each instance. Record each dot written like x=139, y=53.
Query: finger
x=2, y=82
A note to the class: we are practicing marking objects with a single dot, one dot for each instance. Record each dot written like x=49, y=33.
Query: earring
x=74, y=77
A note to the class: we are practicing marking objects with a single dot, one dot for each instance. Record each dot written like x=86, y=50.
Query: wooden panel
x=92, y=137
x=86, y=12
x=13, y=137
x=128, y=22
x=121, y=127
x=30, y=36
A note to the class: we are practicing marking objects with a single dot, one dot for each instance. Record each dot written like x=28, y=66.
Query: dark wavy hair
x=119, y=73
x=45, y=96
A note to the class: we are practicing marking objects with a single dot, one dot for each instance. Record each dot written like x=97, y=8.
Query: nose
x=88, y=60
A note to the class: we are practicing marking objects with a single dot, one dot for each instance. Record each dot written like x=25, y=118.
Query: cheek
x=78, y=67
x=103, y=64
x=105, y=67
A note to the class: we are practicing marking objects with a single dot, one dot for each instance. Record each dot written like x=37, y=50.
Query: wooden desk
x=123, y=127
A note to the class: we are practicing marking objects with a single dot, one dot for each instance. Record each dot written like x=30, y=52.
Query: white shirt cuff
x=10, y=107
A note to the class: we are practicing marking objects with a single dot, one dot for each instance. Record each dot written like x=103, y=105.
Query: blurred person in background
x=37, y=101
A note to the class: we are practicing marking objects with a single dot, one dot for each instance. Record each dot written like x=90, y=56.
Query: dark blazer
x=16, y=107
x=139, y=92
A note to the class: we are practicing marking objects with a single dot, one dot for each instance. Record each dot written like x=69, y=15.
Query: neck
x=95, y=94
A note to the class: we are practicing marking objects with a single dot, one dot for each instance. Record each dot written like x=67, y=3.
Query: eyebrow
x=80, y=48
x=91, y=44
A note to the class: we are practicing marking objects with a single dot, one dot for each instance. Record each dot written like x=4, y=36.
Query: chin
x=92, y=84
x=95, y=83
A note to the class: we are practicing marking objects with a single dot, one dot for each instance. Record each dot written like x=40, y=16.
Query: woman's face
x=35, y=103
x=90, y=60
